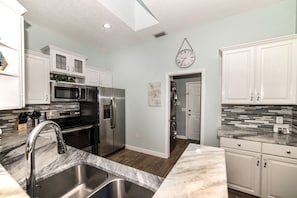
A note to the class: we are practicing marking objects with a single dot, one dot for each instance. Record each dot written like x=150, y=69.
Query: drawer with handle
x=240, y=144
x=279, y=150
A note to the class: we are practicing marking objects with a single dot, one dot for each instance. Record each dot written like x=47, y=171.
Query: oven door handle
x=76, y=129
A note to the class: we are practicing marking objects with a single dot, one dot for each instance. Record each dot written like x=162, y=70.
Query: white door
x=238, y=76
x=276, y=73
x=279, y=177
x=193, y=114
x=243, y=170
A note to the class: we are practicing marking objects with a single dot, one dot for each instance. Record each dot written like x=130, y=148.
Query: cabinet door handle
x=239, y=145
x=46, y=97
x=288, y=152
x=265, y=164
x=252, y=98
x=258, y=97
x=258, y=162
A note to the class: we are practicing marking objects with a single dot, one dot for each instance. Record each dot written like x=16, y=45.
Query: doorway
x=189, y=106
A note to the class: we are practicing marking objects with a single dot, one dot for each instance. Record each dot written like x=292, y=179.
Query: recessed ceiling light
x=106, y=25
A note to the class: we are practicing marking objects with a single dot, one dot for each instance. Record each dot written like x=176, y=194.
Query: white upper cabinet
x=12, y=48
x=65, y=62
x=276, y=73
x=260, y=73
x=37, y=79
x=92, y=77
x=238, y=76
x=97, y=77
x=105, y=79
x=9, y=32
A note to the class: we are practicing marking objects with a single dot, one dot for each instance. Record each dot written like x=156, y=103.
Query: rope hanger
x=185, y=40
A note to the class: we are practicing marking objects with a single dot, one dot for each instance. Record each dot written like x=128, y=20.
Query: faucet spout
x=30, y=153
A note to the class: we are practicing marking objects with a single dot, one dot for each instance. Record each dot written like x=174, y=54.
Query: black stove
x=77, y=131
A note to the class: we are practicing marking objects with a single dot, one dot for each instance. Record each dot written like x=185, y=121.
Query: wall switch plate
x=279, y=120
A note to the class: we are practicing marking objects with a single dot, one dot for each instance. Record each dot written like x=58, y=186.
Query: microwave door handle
x=78, y=96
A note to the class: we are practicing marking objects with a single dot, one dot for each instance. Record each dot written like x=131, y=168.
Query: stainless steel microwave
x=63, y=92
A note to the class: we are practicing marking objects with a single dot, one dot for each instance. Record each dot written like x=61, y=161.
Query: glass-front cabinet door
x=66, y=62
x=78, y=68
x=60, y=62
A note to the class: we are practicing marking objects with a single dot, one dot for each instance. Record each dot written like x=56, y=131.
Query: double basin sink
x=84, y=180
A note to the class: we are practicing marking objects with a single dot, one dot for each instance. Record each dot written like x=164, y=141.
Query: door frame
x=187, y=97
x=168, y=75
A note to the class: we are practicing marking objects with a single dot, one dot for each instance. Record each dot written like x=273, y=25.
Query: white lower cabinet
x=243, y=171
x=243, y=160
x=269, y=173
x=37, y=79
x=279, y=177
x=279, y=171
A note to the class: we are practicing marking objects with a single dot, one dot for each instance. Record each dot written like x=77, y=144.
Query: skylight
x=133, y=12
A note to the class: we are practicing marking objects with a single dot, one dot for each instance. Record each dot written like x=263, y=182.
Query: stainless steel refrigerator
x=111, y=120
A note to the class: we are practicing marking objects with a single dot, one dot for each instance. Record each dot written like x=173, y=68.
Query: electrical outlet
x=279, y=120
x=281, y=128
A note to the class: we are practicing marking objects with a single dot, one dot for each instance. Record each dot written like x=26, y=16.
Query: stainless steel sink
x=84, y=181
x=77, y=181
x=120, y=188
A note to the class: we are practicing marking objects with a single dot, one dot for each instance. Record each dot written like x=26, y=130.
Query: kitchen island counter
x=199, y=171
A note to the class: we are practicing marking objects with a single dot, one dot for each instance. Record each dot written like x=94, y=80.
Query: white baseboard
x=146, y=151
x=181, y=137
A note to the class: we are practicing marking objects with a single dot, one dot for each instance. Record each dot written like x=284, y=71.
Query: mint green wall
x=133, y=67
x=36, y=37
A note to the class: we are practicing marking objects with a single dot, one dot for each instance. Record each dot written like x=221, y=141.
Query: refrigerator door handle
x=113, y=113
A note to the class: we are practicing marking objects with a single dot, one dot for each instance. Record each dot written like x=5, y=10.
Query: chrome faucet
x=30, y=153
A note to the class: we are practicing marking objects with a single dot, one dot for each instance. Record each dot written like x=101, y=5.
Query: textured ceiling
x=82, y=20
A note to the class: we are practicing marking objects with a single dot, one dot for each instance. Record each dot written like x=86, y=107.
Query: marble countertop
x=199, y=172
x=9, y=187
x=258, y=135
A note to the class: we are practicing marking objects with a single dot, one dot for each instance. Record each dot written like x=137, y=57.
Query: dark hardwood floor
x=155, y=165
x=160, y=166
x=237, y=194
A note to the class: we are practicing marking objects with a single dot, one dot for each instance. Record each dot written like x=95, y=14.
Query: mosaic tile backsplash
x=8, y=117
x=264, y=116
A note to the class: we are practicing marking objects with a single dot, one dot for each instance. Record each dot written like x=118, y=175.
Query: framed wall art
x=154, y=94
